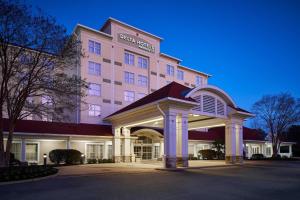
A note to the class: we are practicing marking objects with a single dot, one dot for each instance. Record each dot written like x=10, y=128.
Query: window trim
x=100, y=111
x=38, y=151
x=129, y=92
x=94, y=143
x=93, y=95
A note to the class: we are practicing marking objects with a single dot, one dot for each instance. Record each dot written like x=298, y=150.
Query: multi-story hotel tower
x=123, y=64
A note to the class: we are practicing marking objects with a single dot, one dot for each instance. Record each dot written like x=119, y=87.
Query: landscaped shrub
x=68, y=156
x=92, y=161
x=13, y=161
x=257, y=156
x=208, y=154
x=25, y=172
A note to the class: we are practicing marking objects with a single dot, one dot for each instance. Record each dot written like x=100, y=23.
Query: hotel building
x=141, y=104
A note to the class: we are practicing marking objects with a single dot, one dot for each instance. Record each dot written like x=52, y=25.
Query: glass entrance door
x=143, y=152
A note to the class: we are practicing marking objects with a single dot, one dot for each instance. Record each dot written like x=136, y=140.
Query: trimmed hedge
x=16, y=173
x=95, y=161
x=208, y=154
x=257, y=156
x=68, y=156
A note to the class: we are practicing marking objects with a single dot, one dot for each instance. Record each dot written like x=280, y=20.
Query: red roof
x=173, y=89
x=31, y=126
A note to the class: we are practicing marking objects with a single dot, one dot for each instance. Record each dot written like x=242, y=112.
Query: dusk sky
x=251, y=48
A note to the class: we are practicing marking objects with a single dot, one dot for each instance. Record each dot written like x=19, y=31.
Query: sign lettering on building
x=136, y=42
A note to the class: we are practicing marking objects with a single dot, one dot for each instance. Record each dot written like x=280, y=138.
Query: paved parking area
x=253, y=180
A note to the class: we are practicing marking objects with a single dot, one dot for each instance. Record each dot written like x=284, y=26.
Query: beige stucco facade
x=113, y=67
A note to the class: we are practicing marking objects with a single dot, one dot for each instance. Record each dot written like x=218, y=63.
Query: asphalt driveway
x=256, y=180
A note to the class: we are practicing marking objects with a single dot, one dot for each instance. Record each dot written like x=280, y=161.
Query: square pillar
x=170, y=140
x=234, y=142
x=182, y=140
x=117, y=145
x=127, y=145
x=161, y=146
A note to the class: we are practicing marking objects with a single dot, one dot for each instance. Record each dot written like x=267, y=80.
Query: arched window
x=144, y=140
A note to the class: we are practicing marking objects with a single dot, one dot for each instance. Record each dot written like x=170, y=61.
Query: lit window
x=143, y=62
x=198, y=80
x=94, y=151
x=94, y=68
x=94, y=110
x=180, y=75
x=94, y=47
x=31, y=152
x=129, y=96
x=16, y=150
x=129, y=59
x=94, y=89
x=268, y=151
x=109, y=152
x=170, y=70
x=46, y=100
x=141, y=95
x=143, y=80
x=129, y=77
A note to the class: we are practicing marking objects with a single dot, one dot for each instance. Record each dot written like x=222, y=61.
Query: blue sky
x=251, y=48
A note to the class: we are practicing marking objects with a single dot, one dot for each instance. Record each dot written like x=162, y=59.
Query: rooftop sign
x=135, y=41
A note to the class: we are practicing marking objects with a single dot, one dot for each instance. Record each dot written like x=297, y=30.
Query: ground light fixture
x=82, y=158
x=45, y=159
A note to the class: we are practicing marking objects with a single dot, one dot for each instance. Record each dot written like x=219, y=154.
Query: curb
x=28, y=180
x=203, y=167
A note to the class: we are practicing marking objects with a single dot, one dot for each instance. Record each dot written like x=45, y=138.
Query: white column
x=184, y=140
x=127, y=145
x=68, y=143
x=170, y=140
x=234, y=141
x=23, y=150
x=290, y=151
x=178, y=136
x=117, y=145
x=132, y=151
x=105, y=153
x=195, y=151
x=161, y=144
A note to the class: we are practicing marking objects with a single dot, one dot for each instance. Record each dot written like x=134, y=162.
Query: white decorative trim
x=211, y=88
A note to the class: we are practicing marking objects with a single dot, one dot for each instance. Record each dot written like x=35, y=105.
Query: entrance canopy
x=178, y=109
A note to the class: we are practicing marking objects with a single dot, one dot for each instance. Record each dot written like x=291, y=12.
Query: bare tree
x=275, y=114
x=38, y=62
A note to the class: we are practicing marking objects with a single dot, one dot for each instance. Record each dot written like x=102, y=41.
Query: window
x=94, y=89
x=32, y=152
x=94, y=151
x=46, y=100
x=110, y=152
x=255, y=150
x=143, y=62
x=129, y=58
x=129, y=77
x=16, y=150
x=140, y=95
x=143, y=80
x=180, y=75
x=94, y=110
x=198, y=80
x=129, y=96
x=284, y=149
x=94, y=47
x=94, y=68
x=170, y=70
